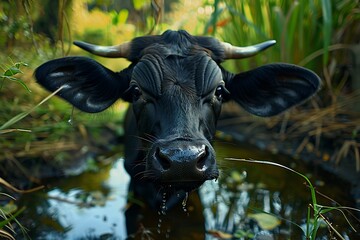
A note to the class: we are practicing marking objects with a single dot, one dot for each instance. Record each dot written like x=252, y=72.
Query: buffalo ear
x=86, y=84
x=271, y=89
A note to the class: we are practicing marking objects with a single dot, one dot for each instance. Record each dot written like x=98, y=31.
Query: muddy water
x=94, y=205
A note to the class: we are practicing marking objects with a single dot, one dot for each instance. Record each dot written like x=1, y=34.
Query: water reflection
x=95, y=205
x=79, y=207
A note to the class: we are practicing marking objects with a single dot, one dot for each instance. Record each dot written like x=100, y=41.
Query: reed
x=315, y=34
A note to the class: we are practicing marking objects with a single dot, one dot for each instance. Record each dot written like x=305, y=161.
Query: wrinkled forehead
x=160, y=69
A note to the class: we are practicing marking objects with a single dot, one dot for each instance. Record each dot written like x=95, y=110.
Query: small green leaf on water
x=237, y=176
x=243, y=234
x=265, y=221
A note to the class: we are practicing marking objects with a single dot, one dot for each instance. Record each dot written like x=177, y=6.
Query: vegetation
x=320, y=35
x=315, y=212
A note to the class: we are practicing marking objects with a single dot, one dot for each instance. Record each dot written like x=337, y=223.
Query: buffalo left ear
x=271, y=89
x=86, y=84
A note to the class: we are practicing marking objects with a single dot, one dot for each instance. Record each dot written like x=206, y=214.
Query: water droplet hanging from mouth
x=71, y=119
x=184, y=202
x=161, y=212
x=167, y=235
x=159, y=225
x=163, y=207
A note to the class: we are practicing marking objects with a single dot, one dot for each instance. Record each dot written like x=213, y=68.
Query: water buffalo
x=176, y=87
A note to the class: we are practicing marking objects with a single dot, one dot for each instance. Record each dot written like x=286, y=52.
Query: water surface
x=92, y=205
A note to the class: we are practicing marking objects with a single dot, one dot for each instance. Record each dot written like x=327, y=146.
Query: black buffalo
x=176, y=86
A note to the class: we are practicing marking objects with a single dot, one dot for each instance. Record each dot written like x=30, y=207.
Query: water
x=184, y=202
x=94, y=205
x=89, y=205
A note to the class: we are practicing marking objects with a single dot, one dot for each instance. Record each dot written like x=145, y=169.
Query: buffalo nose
x=183, y=162
x=190, y=157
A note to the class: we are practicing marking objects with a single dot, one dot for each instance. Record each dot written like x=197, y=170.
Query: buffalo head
x=176, y=86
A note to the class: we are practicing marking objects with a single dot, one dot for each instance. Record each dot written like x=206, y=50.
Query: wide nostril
x=201, y=159
x=163, y=159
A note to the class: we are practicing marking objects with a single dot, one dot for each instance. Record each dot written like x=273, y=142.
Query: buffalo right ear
x=271, y=89
x=87, y=84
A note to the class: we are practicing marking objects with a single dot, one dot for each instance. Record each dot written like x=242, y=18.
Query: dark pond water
x=93, y=205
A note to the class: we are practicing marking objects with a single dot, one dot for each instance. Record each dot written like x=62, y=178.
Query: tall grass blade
x=24, y=114
x=6, y=235
x=327, y=27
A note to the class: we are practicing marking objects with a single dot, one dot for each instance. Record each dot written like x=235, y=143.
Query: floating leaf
x=241, y=234
x=98, y=198
x=265, y=221
x=237, y=176
x=219, y=234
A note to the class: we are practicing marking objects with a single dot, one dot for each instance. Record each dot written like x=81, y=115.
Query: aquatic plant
x=315, y=212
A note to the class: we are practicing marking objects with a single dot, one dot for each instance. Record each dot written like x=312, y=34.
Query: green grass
x=319, y=35
x=300, y=27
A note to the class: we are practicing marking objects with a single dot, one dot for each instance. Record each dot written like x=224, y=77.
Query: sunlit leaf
x=123, y=16
x=265, y=221
x=114, y=17
x=138, y=4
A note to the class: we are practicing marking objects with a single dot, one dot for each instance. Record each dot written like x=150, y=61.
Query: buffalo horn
x=118, y=51
x=233, y=52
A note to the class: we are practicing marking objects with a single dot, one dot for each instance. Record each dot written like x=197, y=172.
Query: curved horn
x=233, y=52
x=118, y=51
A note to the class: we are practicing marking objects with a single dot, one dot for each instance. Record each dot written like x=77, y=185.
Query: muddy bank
x=322, y=159
x=79, y=153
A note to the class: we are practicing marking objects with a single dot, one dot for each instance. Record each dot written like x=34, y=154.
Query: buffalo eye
x=219, y=92
x=136, y=93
